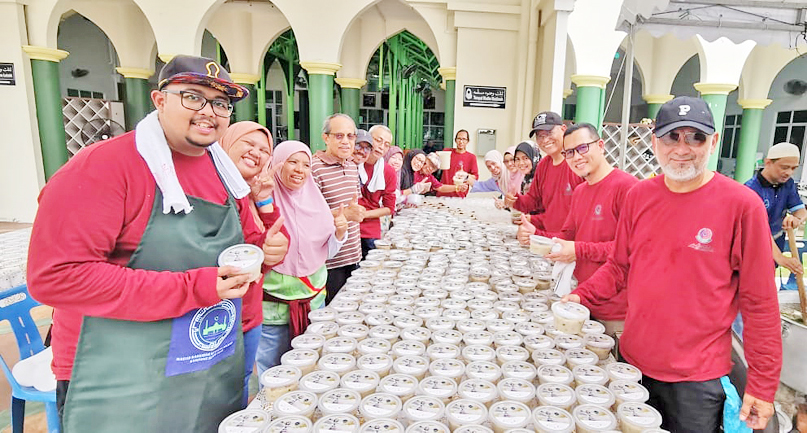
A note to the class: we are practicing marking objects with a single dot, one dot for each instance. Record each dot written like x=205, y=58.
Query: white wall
x=89, y=49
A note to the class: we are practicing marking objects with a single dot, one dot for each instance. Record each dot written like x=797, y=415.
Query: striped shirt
x=339, y=183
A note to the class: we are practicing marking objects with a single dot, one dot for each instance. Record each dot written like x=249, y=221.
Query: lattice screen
x=640, y=160
x=79, y=111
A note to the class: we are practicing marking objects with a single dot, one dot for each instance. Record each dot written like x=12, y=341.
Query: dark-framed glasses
x=581, y=149
x=196, y=102
x=692, y=138
x=363, y=147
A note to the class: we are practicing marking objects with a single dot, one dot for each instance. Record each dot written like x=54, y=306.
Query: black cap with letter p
x=684, y=111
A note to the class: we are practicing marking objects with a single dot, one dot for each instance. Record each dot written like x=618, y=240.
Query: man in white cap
x=775, y=186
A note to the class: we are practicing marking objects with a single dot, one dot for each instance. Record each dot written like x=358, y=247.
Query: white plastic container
x=499, y=325
x=358, y=332
x=339, y=401
x=551, y=419
x=295, y=403
x=288, y=424
x=592, y=419
x=379, y=363
x=538, y=342
x=245, y=421
x=304, y=359
x=456, y=314
x=570, y=316
x=569, y=342
x=555, y=374
x=475, y=338
x=555, y=394
x=478, y=353
x=507, y=338
x=628, y=391
x=408, y=348
x=463, y=412
x=428, y=427
x=529, y=329
x=449, y=368
x=478, y=390
x=387, y=332
x=519, y=390
x=373, y=346
x=325, y=330
x=408, y=322
x=597, y=395
x=638, y=417
x=419, y=334
x=470, y=325
x=519, y=370
x=325, y=314
x=589, y=374
x=362, y=381
x=415, y=366
x=337, y=424
x=319, y=382
x=380, y=405
x=577, y=357
x=540, y=245
x=506, y=415
x=382, y=425
x=401, y=385
x=423, y=408
x=505, y=354
x=448, y=336
x=246, y=257
x=442, y=351
x=600, y=344
x=548, y=357
x=277, y=381
x=442, y=388
x=623, y=371
x=473, y=428
x=339, y=363
x=483, y=370
x=593, y=327
x=345, y=345
x=349, y=318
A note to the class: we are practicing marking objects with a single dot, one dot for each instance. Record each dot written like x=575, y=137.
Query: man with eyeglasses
x=377, y=180
x=587, y=236
x=125, y=247
x=337, y=177
x=550, y=195
x=463, y=166
x=693, y=248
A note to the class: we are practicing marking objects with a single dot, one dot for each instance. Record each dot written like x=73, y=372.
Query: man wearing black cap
x=694, y=249
x=549, y=198
x=147, y=327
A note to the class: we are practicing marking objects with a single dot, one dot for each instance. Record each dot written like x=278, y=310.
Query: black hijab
x=528, y=149
x=407, y=174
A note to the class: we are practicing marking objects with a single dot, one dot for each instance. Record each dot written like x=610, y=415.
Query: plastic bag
x=731, y=409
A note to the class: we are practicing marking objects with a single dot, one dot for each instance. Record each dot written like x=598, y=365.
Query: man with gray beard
x=693, y=248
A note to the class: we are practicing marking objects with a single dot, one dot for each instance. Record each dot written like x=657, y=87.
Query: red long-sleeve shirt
x=691, y=261
x=466, y=162
x=591, y=224
x=91, y=217
x=371, y=227
x=550, y=195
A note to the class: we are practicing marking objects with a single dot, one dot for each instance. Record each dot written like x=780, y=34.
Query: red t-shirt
x=92, y=215
x=591, y=224
x=466, y=162
x=371, y=227
x=691, y=262
x=550, y=195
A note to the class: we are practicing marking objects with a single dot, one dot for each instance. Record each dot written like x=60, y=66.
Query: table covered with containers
x=450, y=326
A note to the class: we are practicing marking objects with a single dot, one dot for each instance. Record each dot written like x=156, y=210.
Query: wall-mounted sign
x=484, y=96
x=7, y=74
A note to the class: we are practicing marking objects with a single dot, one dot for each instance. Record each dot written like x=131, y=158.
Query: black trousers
x=688, y=407
x=336, y=279
x=61, y=396
x=367, y=244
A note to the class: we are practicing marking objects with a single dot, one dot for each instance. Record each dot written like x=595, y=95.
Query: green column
x=590, y=91
x=654, y=103
x=320, y=98
x=245, y=108
x=749, y=137
x=716, y=95
x=449, y=75
x=351, y=96
x=137, y=96
x=260, y=95
x=48, y=97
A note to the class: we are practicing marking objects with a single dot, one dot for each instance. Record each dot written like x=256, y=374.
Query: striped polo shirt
x=339, y=183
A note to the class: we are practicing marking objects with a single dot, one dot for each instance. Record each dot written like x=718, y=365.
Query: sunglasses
x=690, y=138
x=581, y=149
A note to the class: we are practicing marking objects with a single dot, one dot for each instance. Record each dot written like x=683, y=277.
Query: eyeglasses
x=340, y=136
x=581, y=149
x=461, y=139
x=690, y=138
x=196, y=102
x=362, y=147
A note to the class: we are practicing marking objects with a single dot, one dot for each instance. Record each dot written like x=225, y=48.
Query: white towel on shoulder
x=377, y=182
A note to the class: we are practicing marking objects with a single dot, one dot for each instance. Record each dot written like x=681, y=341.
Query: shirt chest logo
x=568, y=189
x=597, y=213
x=704, y=238
x=767, y=203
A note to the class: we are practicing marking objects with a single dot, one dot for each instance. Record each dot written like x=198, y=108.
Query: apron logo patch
x=211, y=325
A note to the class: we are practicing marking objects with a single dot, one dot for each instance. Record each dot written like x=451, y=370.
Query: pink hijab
x=309, y=221
x=515, y=179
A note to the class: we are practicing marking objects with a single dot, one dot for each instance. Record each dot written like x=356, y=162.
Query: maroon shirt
x=550, y=195
x=459, y=161
x=371, y=227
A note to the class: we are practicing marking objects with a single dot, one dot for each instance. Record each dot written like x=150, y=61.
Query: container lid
x=374, y=346
x=477, y=286
x=555, y=374
x=556, y=394
x=641, y=415
x=380, y=405
x=591, y=417
x=484, y=370
x=456, y=314
x=340, y=345
x=420, y=334
x=301, y=403
x=382, y=425
x=529, y=328
x=473, y=428
x=449, y=336
x=242, y=256
x=478, y=390
x=349, y=296
x=299, y=358
x=506, y=306
x=535, y=306
x=465, y=411
x=308, y=341
x=343, y=306
x=350, y=318
x=322, y=328
x=567, y=341
x=507, y=338
x=370, y=264
x=542, y=317
x=439, y=387
x=369, y=309
x=595, y=394
x=600, y=341
x=360, y=380
x=424, y=408
x=487, y=296
x=623, y=371
x=552, y=419
x=286, y=424
x=354, y=331
x=319, y=381
x=337, y=424
x=519, y=370
x=471, y=325
x=516, y=389
x=538, y=342
x=593, y=327
x=337, y=362
x=453, y=303
x=435, y=293
x=590, y=374
x=427, y=313
x=401, y=300
x=428, y=427
x=408, y=348
x=398, y=384
x=629, y=391
x=339, y=400
x=571, y=311
x=427, y=302
x=548, y=357
x=443, y=351
x=478, y=352
x=452, y=368
x=412, y=365
x=478, y=337
x=463, y=294
x=401, y=310
x=512, y=353
x=407, y=321
x=280, y=376
x=499, y=325
x=245, y=421
x=543, y=240
x=387, y=332
x=322, y=315
x=509, y=414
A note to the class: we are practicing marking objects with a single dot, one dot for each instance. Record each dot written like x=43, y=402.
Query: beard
x=687, y=173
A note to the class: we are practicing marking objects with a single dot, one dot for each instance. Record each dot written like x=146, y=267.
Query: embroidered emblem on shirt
x=767, y=203
x=568, y=189
x=598, y=209
x=704, y=238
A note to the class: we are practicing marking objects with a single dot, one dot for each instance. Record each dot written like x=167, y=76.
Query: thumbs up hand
x=340, y=222
x=354, y=211
x=525, y=229
x=276, y=244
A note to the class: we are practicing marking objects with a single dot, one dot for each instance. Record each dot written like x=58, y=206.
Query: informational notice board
x=484, y=96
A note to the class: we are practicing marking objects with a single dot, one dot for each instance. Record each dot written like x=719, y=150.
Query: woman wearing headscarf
x=426, y=174
x=514, y=175
x=526, y=160
x=297, y=284
x=498, y=182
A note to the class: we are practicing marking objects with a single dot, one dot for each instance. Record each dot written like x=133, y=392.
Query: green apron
x=128, y=377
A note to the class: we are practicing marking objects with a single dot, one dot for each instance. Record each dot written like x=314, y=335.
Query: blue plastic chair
x=15, y=306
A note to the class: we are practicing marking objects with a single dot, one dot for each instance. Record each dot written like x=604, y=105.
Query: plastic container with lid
x=428, y=427
x=499, y=325
x=326, y=330
x=515, y=389
x=484, y=370
x=505, y=307
x=638, y=417
x=464, y=411
x=548, y=357
x=246, y=257
x=478, y=390
x=555, y=374
x=589, y=374
x=450, y=368
x=568, y=342
x=551, y=331
x=380, y=405
x=343, y=306
x=600, y=344
x=295, y=403
x=349, y=318
x=505, y=354
x=423, y=408
x=401, y=385
x=628, y=391
x=405, y=300
x=308, y=341
x=371, y=309
x=339, y=401
x=340, y=345
x=570, y=316
x=591, y=419
x=442, y=351
x=415, y=366
x=542, y=317
x=319, y=382
x=552, y=419
x=538, y=342
x=479, y=304
x=401, y=310
x=408, y=348
x=439, y=323
x=304, y=359
x=362, y=381
x=623, y=371
x=339, y=363
x=534, y=306
x=426, y=302
x=453, y=303
x=474, y=338
x=472, y=428
x=593, y=327
x=478, y=352
x=386, y=332
x=443, y=388
x=380, y=363
x=408, y=322
x=456, y=314
x=287, y=424
x=246, y=421
x=382, y=425
x=325, y=314
x=484, y=315
x=528, y=329
x=597, y=395
x=359, y=332
x=337, y=424
x=507, y=338
x=555, y=394
x=373, y=346
x=470, y=325
x=419, y=334
x=540, y=245
x=506, y=415
x=449, y=336
x=386, y=290
x=427, y=313
x=277, y=381
x=519, y=370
